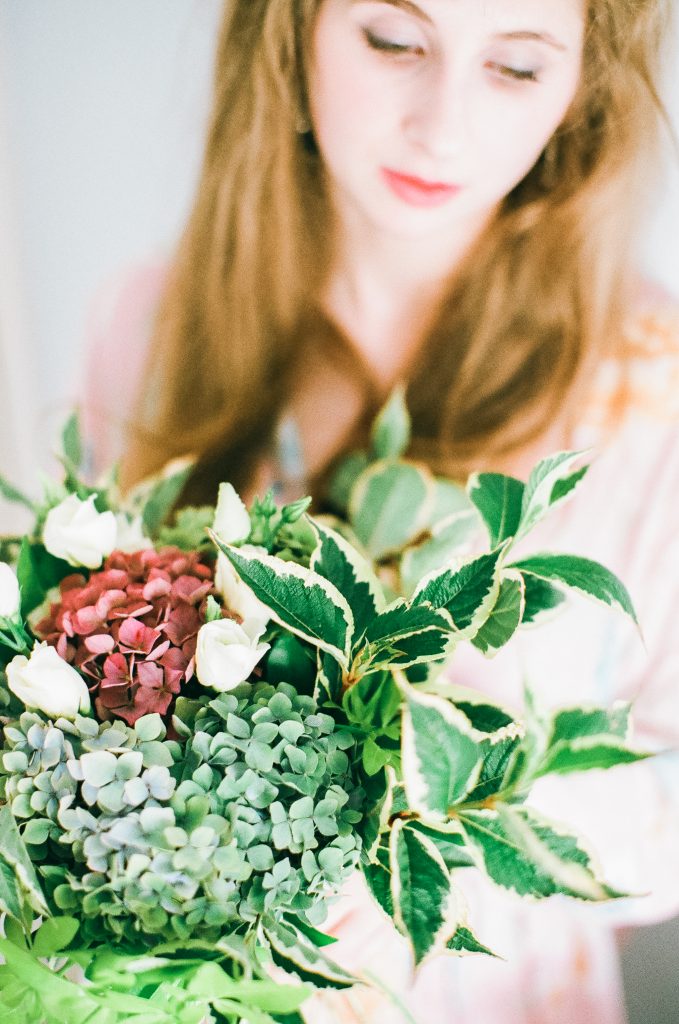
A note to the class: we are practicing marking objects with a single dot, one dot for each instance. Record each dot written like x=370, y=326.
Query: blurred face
x=427, y=113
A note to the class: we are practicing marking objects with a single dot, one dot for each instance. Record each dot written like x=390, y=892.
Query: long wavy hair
x=540, y=298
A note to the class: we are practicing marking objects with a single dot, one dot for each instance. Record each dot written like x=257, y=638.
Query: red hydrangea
x=131, y=628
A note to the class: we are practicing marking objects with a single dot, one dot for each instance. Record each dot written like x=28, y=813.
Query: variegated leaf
x=378, y=878
x=449, y=538
x=505, y=618
x=541, y=600
x=390, y=505
x=465, y=943
x=552, y=480
x=441, y=756
x=581, y=574
x=292, y=951
x=449, y=841
x=15, y=856
x=466, y=592
x=298, y=598
x=498, y=753
x=587, y=753
x=340, y=563
x=391, y=430
x=499, y=500
x=532, y=856
x=425, y=907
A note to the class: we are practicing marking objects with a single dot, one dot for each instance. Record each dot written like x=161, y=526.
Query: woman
x=445, y=193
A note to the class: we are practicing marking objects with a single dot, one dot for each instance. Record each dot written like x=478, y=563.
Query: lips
x=417, y=191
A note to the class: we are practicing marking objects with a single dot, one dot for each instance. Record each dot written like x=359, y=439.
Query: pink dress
x=560, y=963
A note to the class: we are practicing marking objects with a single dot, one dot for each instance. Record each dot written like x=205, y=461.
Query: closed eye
x=515, y=74
x=387, y=46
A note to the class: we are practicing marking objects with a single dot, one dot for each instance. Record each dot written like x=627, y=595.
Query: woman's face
x=427, y=113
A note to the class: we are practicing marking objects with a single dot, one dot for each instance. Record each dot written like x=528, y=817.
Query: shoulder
x=639, y=382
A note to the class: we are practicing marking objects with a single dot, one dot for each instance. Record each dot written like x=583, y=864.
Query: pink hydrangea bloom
x=131, y=629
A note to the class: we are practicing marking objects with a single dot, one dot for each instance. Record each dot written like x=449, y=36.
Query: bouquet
x=211, y=719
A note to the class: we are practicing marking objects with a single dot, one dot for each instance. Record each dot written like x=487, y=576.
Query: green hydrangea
x=253, y=812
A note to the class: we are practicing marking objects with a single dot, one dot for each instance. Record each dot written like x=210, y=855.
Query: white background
x=102, y=110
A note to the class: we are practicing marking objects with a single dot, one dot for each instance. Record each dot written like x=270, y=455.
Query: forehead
x=568, y=15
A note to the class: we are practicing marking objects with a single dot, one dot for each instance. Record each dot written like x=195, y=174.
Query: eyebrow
x=540, y=37
x=412, y=8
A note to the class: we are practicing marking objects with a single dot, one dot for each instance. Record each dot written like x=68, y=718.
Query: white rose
x=232, y=521
x=130, y=536
x=76, y=532
x=236, y=594
x=227, y=652
x=47, y=682
x=10, y=598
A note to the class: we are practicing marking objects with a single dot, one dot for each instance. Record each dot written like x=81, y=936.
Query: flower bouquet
x=211, y=720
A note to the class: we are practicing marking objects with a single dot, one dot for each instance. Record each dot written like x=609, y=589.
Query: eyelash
x=396, y=49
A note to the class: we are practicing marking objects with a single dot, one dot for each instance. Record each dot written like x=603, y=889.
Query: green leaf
x=505, y=618
x=464, y=943
x=294, y=953
x=441, y=757
x=344, y=480
x=401, y=621
x=499, y=500
x=10, y=899
x=498, y=758
x=318, y=938
x=523, y=852
x=583, y=755
x=54, y=935
x=423, y=901
x=14, y=854
x=448, y=539
x=578, y=723
x=467, y=593
x=549, y=483
x=339, y=563
x=378, y=878
x=390, y=505
x=71, y=443
x=309, y=605
x=484, y=716
x=38, y=571
x=162, y=498
x=541, y=598
x=581, y=574
x=14, y=495
x=449, y=842
x=391, y=429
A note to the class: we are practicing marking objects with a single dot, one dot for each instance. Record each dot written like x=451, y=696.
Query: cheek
x=347, y=94
x=515, y=134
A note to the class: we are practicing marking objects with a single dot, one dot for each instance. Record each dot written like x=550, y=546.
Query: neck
x=379, y=275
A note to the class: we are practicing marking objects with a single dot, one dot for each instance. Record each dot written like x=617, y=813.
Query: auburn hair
x=539, y=299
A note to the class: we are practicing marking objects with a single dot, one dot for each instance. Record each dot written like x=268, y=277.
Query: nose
x=437, y=119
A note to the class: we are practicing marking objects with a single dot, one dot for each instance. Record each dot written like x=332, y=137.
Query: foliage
x=203, y=835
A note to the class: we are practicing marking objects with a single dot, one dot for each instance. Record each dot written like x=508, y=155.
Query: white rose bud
x=232, y=521
x=47, y=682
x=236, y=594
x=10, y=598
x=76, y=532
x=227, y=652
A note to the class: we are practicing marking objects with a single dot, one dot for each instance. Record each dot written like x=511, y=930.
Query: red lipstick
x=416, y=191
